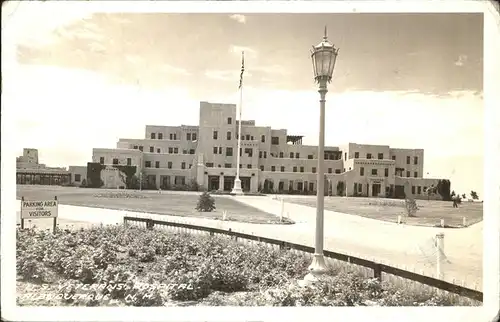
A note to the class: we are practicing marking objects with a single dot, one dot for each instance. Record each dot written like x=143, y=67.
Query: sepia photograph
x=244, y=159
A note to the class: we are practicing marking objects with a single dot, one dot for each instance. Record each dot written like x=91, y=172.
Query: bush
x=410, y=207
x=205, y=203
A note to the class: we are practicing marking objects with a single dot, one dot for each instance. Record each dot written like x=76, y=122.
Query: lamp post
x=323, y=57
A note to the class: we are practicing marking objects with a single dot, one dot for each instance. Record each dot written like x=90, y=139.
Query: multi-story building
x=30, y=171
x=270, y=159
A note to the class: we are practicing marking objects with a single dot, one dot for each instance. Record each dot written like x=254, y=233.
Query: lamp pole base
x=237, y=187
x=316, y=269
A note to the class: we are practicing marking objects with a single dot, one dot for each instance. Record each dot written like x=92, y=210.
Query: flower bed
x=118, y=266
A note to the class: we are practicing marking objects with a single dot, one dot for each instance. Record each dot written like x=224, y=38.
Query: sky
x=79, y=80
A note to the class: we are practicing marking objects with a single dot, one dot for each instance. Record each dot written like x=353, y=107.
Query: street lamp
x=323, y=57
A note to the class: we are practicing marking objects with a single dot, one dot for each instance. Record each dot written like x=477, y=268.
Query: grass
x=222, y=272
x=429, y=214
x=165, y=203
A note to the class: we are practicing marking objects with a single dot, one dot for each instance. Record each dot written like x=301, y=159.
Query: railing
x=377, y=268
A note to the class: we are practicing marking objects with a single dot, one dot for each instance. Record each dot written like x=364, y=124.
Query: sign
x=39, y=209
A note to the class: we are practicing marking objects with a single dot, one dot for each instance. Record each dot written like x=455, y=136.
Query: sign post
x=31, y=209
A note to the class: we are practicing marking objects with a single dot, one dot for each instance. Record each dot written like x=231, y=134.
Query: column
x=369, y=190
x=221, y=182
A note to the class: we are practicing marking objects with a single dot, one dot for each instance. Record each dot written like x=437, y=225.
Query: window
x=360, y=188
x=297, y=155
x=141, y=148
x=115, y=161
x=135, y=147
x=183, y=165
x=301, y=169
x=171, y=136
x=157, y=164
x=160, y=136
x=361, y=171
x=265, y=154
x=408, y=174
x=294, y=169
x=380, y=156
x=313, y=170
x=273, y=168
x=176, y=150
x=419, y=189
x=209, y=165
x=147, y=164
x=241, y=165
x=178, y=180
x=249, y=166
x=247, y=137
x=228, y=135
x=175, y=136
x=261, y=168
x=408, y=160
x=282, y=169
x=215, y=150
x=374, y=172
x=356, y=155
x=169, y=164
x=191, y=151
x=337, y=171
x=413, y=189
x=240, y=152
x=101, y=160
x=386, y=172
x=188, y=136
x=415, y=174
x=153, y=136
x=229, y=152
x=158, y=150
x=310, y=157
x=311, y=186
x=220, y=150
x=345, y=156
x=229, y=120
x=329, y=170
x=129, y=161
x=263, y=138
x=260, y=154
x=193, y=136
x=368, y=155
x=415, y=160
x=184, y=151
x=249, y=151
x=151, y=149
x=251, y=138
x=275, y=140
x=190, y=166
x=281, y=155
x=394, y=157
x=170, y=150
x=78, y=177
x=291, y=155
x=215, y=135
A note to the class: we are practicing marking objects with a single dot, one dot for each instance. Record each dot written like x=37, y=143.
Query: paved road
x=407, y=247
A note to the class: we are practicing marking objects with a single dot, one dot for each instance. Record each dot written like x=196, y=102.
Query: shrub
x=205, y=203
x=410, y=207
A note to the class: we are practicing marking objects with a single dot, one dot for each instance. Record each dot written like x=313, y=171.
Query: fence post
x=464, y=221
x=377, y=271
x=442, y=223
x=282, y=209
x=21, y=213
x=399, y=219
x=439, y=253
x=54, y=223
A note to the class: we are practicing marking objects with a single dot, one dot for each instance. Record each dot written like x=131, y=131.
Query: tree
x=430, y=191
x=340, y=188
x=84, y=183
x=411, y=207
x=474, y=195
x=464, y=196
x=443, y=188
x=205, y=203
x=453, y=194
x=194, y=186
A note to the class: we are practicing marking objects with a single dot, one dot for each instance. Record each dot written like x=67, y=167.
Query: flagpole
x=237, y=182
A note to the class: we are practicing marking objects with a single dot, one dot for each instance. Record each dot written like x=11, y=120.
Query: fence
x=377, y=268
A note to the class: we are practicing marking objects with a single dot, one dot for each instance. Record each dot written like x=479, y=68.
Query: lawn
x=129, y=266
x=430, y=212
x=165, y=203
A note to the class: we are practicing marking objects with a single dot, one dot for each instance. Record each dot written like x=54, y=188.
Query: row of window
x=173, y=136
x=148, y=164
x=386, y=172
x=171, y=150
x=229, y=151
x=246, y=137
x=381, y=157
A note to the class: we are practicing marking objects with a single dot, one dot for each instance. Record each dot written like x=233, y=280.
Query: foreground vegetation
x=119, y=266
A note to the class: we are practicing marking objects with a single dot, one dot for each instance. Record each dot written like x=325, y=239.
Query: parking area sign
x=31, y=209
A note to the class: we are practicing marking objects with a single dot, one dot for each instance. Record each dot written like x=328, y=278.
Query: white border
x=491, y=182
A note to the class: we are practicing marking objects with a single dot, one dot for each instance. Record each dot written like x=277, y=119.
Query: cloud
x=239, y=18
x=235, y=49
x=462, y=59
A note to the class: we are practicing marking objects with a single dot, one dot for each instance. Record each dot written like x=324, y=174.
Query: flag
x=242, y=68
